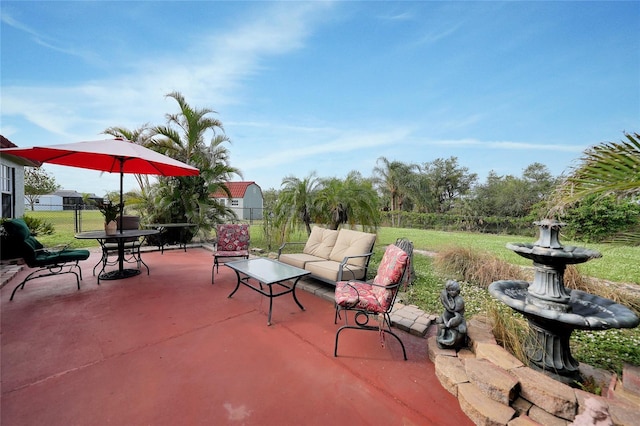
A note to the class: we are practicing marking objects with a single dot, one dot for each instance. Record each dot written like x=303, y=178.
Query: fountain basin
x=585, y=311
x=553, y=312
x=566, y=255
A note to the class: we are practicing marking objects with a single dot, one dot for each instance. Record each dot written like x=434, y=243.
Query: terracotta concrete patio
x=172, y=349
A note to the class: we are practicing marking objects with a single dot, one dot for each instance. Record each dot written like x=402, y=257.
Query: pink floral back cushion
x=390, y=272
x=233, y=237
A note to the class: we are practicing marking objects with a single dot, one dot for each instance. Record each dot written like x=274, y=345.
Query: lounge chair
x=48, y=261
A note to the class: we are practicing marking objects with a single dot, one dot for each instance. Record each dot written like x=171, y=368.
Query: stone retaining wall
x=495, y=388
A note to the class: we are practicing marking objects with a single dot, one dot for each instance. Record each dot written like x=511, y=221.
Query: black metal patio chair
x=131, y=246
x=232, y=240
x=375, y=299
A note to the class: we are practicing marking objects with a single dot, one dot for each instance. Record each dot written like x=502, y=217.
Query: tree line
x=599, y=198
x=442, y=194
x=412, y=195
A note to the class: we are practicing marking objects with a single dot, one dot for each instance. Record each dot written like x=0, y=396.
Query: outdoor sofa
x=332, y=255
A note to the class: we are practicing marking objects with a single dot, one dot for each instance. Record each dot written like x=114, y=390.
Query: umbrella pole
x=121, y=201
x=121, y=241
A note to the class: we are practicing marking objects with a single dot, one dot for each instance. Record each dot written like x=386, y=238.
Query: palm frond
x=605, y=169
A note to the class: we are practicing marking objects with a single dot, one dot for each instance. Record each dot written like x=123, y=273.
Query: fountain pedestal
x=548, y=348
x=552, y=311
x=547, y=290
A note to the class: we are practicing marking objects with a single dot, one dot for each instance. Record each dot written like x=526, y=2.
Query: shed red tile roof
x=237, y=190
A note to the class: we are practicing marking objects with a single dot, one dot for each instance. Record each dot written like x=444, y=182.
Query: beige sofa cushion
x=299, y=260
x=351, y=243
x=329, y=269
x=320, y=242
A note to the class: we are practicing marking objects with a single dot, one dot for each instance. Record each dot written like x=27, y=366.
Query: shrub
x=596, y=219
x=509, y=328
x=477, y=268
x=38, y=226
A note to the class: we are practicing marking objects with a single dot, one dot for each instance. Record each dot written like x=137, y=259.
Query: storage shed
x=246, y=200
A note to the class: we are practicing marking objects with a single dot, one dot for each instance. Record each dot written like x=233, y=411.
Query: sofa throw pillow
x=320, y=242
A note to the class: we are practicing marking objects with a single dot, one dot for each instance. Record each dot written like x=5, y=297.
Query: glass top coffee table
x=269, y=273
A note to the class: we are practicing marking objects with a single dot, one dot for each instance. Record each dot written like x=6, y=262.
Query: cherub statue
x=452, y=329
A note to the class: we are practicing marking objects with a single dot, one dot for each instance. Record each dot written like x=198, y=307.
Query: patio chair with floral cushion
x=232, y=241
x=375, y=299
x=48, y=261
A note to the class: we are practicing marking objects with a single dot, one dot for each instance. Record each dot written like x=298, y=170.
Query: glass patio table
x=269, y=273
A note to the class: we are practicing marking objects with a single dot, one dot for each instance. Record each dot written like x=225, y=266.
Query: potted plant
x=110, y=212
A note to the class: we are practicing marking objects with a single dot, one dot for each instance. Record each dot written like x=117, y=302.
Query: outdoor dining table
x=162, y=229
x=267, y=272
x=121, y=237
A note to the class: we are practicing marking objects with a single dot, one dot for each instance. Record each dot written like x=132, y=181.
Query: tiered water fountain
x=552, y=311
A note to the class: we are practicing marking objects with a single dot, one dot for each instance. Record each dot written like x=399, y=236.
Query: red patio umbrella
x=109, y=155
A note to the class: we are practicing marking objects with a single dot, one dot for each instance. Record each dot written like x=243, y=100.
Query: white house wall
x=47, y=203
x=18, y=208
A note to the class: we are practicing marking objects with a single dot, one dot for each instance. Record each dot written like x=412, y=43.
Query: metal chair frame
x=53, y=269
x=363, y=316
x=132, y=248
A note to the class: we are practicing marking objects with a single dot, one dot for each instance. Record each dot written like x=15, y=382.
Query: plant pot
x=111, y=228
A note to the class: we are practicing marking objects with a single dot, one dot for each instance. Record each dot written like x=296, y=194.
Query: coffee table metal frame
x=267, y=272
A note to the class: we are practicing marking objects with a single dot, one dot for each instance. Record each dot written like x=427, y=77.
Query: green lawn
x=63, y=225
x=618, y=263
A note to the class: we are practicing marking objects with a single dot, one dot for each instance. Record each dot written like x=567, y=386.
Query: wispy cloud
x=213, y=68
x=435, y=35
x=404, y=16
x=507, y=145
x=344, y=143
x=12, y=22
x=46, y=41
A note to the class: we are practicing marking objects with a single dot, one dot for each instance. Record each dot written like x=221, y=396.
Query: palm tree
x=187, y=198
x=353, y=201
x=141, y=200
x=139, y=136
x=610, y=168
x=393, y=179
x=296, y=200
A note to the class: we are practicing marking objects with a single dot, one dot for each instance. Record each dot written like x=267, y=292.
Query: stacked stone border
x=494, y=388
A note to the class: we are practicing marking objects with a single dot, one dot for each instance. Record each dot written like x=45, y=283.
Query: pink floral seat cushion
x=375, y=297
x=233, y=240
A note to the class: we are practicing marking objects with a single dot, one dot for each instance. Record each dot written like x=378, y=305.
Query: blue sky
x=328, y=86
